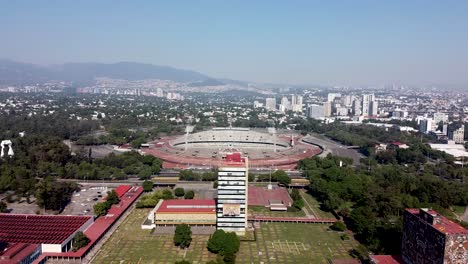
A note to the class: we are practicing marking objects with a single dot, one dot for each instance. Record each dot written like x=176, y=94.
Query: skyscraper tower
x=233, y=194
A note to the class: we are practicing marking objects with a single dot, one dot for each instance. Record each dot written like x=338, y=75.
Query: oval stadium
x=266, y=148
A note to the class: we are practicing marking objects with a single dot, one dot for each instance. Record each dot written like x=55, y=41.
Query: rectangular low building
x=191, y=212
x=53, y=232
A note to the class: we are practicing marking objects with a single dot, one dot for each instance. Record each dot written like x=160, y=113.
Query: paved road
x=333, y=147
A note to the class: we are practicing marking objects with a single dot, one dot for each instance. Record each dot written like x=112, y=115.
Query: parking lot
x=83, y=201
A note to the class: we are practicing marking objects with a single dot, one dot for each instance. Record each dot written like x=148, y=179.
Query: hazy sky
x=304, y=42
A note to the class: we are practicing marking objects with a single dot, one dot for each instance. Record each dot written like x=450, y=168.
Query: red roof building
x=99, y=228
x=13, y=253
x=191, y=212
x=54, y=232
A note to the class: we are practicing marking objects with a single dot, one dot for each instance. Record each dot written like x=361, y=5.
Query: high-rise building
x=159, y=92
x=327, y=109
x=315, y=111
x=270, y=104
x=369, y=105
x=440, y=117
x=285, y=104
x=374, y=108
x=425, y=125
x=458, y=135
x=356, y=107
x=232, y=200
x=332, y=96
x=296, y=103
x=429, y=237
x=348, y=100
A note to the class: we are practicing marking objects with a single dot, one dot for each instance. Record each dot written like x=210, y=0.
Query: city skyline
x=358, y=43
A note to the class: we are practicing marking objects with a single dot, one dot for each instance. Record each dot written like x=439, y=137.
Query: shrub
x=179, y=192
x=338, y=226
x=189, y=195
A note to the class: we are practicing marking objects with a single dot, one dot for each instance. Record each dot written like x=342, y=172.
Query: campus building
x=190, y=212
x=429, y=237
x=232, y=194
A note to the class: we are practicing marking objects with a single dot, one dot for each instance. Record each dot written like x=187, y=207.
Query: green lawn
x=313, y=205
x=276, y=243
x=459, y=210
x=294, y=243
x=130, y=244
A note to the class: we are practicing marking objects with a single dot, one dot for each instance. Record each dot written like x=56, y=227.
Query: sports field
x=276, y=243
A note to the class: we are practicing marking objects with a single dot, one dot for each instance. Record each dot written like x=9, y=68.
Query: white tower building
x=233, y=196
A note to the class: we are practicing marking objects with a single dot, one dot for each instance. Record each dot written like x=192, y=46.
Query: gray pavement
x=333, y=147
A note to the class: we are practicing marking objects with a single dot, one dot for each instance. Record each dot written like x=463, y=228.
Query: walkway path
x=308, y=207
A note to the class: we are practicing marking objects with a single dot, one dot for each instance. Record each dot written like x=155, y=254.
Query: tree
x=224, y=244
x=282, y=177
x=147, y=186
x=179, y=192
x=112, y=197
x=295, y=195
x=215, y=184
x=80, y=240
x=100, y=209
x=3, y=207
x=167, y=194
x=189, y=194
x=183, y=236
x=338, y=226
x=145, y=173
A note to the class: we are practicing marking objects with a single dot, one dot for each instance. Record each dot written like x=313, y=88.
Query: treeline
x=419, y=155
x=57, y=124
x=39, y=159
x=372, y=199
x=123, y=136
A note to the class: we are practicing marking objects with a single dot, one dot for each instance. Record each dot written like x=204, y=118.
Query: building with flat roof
x=429, y=237
x=233, y=194
x=53, y=232
x=192, y=212
x=22, y=253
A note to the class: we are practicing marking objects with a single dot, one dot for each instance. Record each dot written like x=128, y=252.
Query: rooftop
x=39, y=229
x=16, y=252
x=442, y=223
x=187, y=206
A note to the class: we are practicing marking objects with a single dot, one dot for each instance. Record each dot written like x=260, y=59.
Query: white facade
x=232, y=200
x=332, y=96
x=270, y=104
x=438, y=117
x=327, y=109
x=316, y=111
x=458, y=135
x=296, y=103
x=369, y=105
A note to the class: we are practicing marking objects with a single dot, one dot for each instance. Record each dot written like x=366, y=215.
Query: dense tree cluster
x=298, y=202
x=53, y=195
x=183, y=236
x=100, y=209
x=279, y=176
x=226, y=244
x=80, y=240
x=150, y=200
x=190, y=175
x=372, y=201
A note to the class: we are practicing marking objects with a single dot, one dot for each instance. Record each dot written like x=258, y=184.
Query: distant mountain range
x=12, y=72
